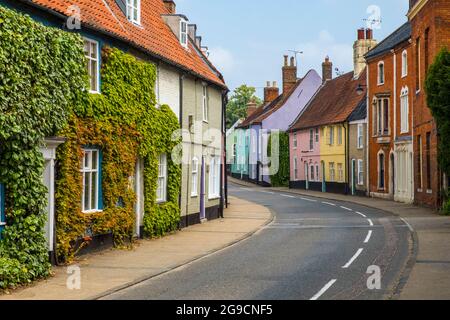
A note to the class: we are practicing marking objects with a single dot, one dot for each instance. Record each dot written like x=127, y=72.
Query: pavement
x=113, y=270
x=427, y=274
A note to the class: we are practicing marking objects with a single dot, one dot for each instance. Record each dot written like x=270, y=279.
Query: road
x=313, y=250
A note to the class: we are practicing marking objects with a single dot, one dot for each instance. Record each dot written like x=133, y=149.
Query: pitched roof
x=251, y=119
x=333, y=103
x=360, y=113
x=153, y=35
x=394, y=39
x=281, y=102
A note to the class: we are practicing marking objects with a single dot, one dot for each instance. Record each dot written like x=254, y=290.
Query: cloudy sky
x=248, y=38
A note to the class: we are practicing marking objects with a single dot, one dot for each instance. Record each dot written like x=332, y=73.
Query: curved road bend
x=314, y=249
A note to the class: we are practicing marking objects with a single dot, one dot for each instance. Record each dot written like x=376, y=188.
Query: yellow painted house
x=333, y=153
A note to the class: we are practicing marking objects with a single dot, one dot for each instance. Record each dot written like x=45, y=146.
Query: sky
x=248, y=38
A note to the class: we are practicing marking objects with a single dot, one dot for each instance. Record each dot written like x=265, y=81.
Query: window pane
x=94, y=191
x=86, y=191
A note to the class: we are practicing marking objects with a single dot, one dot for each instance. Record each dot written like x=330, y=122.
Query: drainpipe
x=347, y=153
x=223, y=176
x=181, y=84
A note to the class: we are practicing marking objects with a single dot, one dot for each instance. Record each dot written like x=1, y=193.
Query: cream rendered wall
x=168, y=88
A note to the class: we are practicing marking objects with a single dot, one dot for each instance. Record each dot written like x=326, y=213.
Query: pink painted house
x=305, y=159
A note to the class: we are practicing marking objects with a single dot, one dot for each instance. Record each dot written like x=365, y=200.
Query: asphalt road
x=314, y=249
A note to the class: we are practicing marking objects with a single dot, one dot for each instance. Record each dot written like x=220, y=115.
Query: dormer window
x=184, y=33
x=134, y=11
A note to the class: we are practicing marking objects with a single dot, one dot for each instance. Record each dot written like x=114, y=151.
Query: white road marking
x=407, y=223
x=361, y=214
x=370, y=222
x=353, y=258
x=286, y=196
x=369, y=235
x=310, y=200
x=268, y=192
x=345, y=208
x=329, y=203
x=323, y=290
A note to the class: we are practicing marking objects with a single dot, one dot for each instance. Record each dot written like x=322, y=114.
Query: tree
x=437, y=86
x=237, y=106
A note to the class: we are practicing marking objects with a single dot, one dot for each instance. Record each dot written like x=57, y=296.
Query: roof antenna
x=296, y=53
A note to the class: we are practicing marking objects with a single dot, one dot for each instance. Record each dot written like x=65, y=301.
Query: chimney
x=271, y=92
x=251, y=107
x=289, y=74
x=192, y=30
x=170, y=6
x=198, y=41
x=327, y=70
x=363, y=44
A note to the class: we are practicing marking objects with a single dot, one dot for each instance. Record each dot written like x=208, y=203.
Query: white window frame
x=317, y=135
x=214, y=178
x=205, y=106
x=332, y=172
x=87, y=168
x=381, y=76
x=93, y=60
x=184, y=33
x=404, y=110
x=360, y=137
x=312, y=172
x=311, y=139
x=317, y=172
x=161, y=191
x=194, y=176
x=294, y=141
x=360, y=172
x=404, y=63
x=134, y=11
x=340, y=171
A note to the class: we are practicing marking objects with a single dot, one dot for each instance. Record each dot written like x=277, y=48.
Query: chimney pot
x=361, y=34
x=251, y=107
x=271, y=92
x=170, y=6
x=286, y=61
x=369, y=34
x=292, y=62
x=289, y=74
x=275, y=85
x=268, y=84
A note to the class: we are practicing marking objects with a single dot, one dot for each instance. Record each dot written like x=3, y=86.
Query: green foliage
x=437, y=86
x=280, y=177
x=41, y=76
x=237, y=106
x=125, y=124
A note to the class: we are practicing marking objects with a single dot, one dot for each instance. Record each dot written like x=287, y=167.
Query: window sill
x=2, y=224
x=194, y=195
x=213, y=197
x=429, y=191
x=380, y=84
x=419, y=190
x=94, y=92
x=92, y=211
x=161, y=201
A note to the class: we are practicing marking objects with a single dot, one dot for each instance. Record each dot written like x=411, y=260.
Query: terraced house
x=275, y=115
x=327, y=151
x=180, y=87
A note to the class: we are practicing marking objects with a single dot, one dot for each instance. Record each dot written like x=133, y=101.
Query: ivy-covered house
x=91, y=97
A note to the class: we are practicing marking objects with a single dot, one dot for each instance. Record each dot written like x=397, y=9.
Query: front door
x=307, y=176
x=353, y=177
x=203, y=190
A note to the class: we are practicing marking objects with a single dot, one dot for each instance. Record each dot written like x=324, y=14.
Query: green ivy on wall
x=281, y=177
x=43, y=93
x=41, y=76
x=126, y=125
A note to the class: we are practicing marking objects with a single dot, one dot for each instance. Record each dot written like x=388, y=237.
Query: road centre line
x=329, y=203
x=407, y=223
x=361, y=214
x=370, y=222
x=323, y=290
x=348, y=264
x=310, y=200
x=345, y=208
x=286, y=196
x=369, y=235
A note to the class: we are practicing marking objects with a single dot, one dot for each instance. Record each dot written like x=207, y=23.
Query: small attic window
x=134, y=11
x=184, y=33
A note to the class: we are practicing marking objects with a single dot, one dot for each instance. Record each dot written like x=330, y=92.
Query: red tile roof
x=333, y=103
x=154, y=36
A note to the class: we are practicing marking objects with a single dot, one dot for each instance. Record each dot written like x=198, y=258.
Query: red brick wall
x=374, y=146
x=434, y=16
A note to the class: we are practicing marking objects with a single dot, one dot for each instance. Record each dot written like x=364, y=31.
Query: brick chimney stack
x=363, y=44
x=170, y=6
x=327, y=70
x=271, y=92
x=289, y=74
x=251, y=107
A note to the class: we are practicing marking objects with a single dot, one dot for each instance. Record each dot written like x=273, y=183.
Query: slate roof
x=394, y=39
x=152, y=36
x=333, y=103
x=360, y=113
